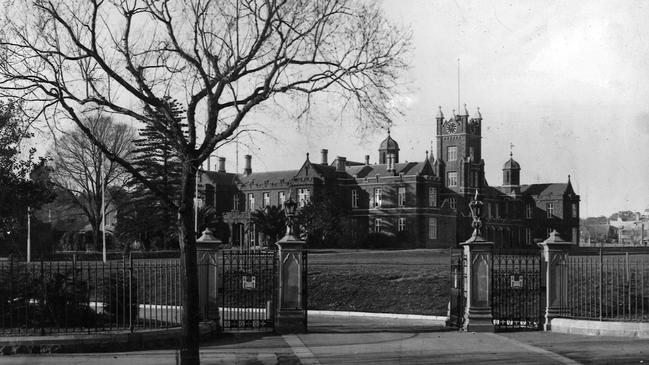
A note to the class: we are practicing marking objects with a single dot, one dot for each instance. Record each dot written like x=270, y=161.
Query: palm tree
x=270, y=221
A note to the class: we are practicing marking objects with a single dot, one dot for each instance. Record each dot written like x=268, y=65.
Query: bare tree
x=224, y=58
x=83, y=171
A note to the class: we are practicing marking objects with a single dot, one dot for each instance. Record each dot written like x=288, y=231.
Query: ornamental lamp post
x=290, y=206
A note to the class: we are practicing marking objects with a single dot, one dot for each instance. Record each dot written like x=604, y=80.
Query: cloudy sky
x=566, y=82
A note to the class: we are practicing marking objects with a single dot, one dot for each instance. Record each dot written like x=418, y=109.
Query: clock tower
x=459, y=146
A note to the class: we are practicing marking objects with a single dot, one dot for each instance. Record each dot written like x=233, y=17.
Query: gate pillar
x=555, y=250
x=207, y=248
x=479, y=263
x=291, y=314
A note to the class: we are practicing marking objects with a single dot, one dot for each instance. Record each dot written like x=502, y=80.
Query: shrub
x=119, y=295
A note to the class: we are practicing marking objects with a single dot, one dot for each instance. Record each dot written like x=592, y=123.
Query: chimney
x=248, y=170
x=340, y=164
x=391, y=162
x=367, y=159
x=324, y=156
x=221, y=164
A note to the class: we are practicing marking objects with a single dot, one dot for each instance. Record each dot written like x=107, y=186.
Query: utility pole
x=29, y=234
x=103, y=208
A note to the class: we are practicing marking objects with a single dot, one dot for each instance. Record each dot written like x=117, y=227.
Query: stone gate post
x=207, y=249
x=290, y=315
x=479, y=263
x=555, y=250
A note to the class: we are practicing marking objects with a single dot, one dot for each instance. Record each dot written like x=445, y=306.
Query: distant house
x=632, y=233
x=71, y=227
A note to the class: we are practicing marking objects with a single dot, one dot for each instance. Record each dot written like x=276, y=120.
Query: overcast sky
x=567, y=82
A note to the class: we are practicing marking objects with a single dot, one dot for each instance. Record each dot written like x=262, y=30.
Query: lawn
x=406, y=281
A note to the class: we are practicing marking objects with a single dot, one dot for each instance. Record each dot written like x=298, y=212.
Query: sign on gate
x=516, y=281
x=249, y=282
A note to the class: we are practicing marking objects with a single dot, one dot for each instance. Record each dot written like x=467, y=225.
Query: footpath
x=370, y=340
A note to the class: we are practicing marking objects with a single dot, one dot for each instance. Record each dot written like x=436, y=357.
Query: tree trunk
x=187, y=239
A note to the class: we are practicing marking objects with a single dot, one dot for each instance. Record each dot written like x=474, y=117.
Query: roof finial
x=388, y=131
x=568, y=178
x=427, y=156
x=307, y=156
x=511, y=150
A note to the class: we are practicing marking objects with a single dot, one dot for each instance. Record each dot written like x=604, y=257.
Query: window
x=575, y=210
x=451, y=153
x=251, y=202
x=402, y=196
x=252, y=240
x=377, y=225
x=281, y=198
x=472, y=153
x=528, y=210
x=432, y=228
x=451, y=180
x=266, y=199
x=476, y=179
x=402, y=224
x=354, y=198
x=377, y=197
x=452, y=203
x=528, y=236
x=303, y=196
x=549, y=209
x=496, y=210
x=432, y=197
x=575, y=234
x=235, y=202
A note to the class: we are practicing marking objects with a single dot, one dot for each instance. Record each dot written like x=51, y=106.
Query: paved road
x=379, y=341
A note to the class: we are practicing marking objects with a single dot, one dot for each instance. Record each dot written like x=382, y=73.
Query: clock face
x=451, y=127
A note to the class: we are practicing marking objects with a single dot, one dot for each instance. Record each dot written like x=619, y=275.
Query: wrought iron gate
x=457, y=295
x=249, y=282
x=517, y=290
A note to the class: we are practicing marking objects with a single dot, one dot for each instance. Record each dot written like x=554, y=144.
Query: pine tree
x=145, y=217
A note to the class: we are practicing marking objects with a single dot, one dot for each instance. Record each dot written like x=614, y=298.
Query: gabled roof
x=545, y=190
x=221, y=178
x=406, y=168
x=322, y=171
x=270, y=176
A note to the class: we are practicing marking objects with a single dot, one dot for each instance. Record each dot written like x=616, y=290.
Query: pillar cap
x=555, y=240
x=208, y=238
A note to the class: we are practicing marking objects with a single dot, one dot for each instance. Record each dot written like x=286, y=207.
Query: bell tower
x=459, y=146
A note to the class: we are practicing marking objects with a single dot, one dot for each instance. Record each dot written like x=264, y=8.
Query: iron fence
x=72, y=296
x=609, y=286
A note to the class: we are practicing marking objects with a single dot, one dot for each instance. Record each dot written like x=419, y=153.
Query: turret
x=387, y=147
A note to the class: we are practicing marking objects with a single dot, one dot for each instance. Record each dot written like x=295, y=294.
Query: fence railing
x=608, y=286
x=68, y=296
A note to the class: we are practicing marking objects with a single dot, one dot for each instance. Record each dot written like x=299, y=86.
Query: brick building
x=424, y=203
